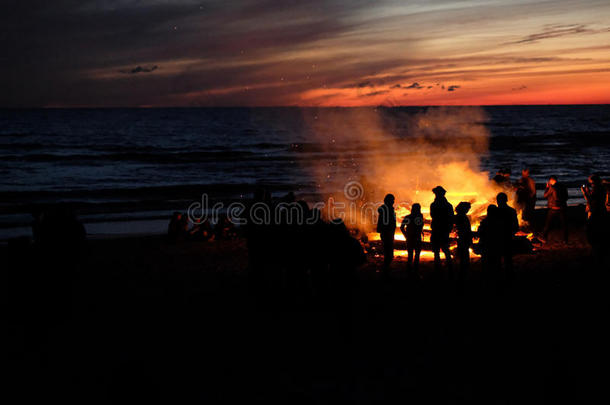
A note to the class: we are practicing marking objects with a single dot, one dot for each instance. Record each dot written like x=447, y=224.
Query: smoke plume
x=401, y=152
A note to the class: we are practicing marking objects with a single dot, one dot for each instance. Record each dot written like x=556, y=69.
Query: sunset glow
x=314, y=53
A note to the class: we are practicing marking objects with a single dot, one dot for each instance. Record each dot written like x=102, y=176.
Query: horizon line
x=295, y=106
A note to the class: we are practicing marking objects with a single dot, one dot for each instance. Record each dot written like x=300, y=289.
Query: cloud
x=92, y=48
x=140, y=69
x=558, y=30
x=376, y=93
x=366, y=83
x=414, y=85
x=76, y=38
x=453, y=88
x=522, y=87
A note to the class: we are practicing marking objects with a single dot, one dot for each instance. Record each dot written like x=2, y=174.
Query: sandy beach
x=142, y=319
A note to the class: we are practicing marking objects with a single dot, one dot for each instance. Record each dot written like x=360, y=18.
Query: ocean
x=126, y=170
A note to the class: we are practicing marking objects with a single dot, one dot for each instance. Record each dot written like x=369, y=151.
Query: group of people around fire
x=595, y=191
x=497, y=230
x=324, y=254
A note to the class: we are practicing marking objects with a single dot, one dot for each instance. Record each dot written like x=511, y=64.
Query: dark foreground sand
x=147, y=321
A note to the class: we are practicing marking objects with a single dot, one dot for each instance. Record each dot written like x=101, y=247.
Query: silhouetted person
x=464, y=232
x=557, y=203
x=597, y=217
x=507, y=173
x=490, y=240
x=386, y=226
x=183, y=225
x=201, y=231
x=224, y=229
x=346, y=254
x=502, y=179
x=508, y=226
x=412, y=228
x=526, y=196
x=176, y=229
x=606, y=184
x=499, y=178
x=595, y=195
x=441, y=212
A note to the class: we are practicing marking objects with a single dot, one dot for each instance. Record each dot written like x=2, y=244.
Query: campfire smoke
x=396, y=151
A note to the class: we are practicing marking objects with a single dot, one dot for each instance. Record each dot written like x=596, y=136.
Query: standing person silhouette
x=464, y=231
x=526, y=196
x=597, y=217
x=557, y=203
x=508, y=226
x=386, y=226
x=412, y=227
x=606, y=184
x=489, y=242
x=595, y=196
x=441, y=212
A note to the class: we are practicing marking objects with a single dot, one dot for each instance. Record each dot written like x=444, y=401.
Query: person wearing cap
x=441, y=212
x=386, y=226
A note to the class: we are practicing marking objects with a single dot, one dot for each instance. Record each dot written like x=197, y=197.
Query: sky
x=137, y=53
